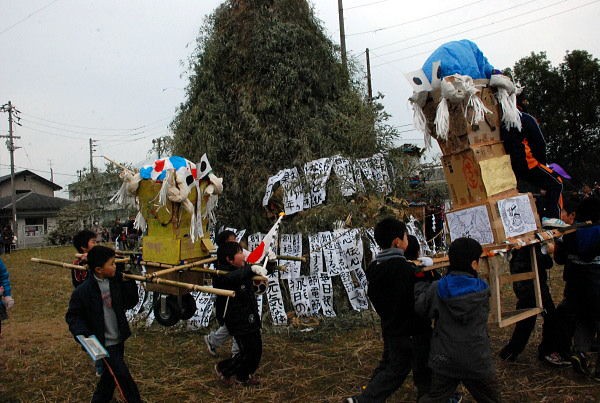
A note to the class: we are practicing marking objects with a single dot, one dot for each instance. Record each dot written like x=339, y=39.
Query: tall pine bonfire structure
x=267, y=91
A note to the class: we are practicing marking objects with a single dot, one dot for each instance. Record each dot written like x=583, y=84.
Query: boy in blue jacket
x=97, y=307
x=460, y=345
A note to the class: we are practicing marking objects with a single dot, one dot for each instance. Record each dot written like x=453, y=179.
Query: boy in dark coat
x=405, y=335
x=460, y=345
x=240, y=315
x=97, y=307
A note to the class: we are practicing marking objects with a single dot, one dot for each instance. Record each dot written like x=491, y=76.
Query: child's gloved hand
x=271, y=256
x=425, y=261
x=257, y=269
x=8, y=301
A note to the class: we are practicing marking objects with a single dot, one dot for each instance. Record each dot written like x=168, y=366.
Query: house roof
x=34, y=201
x=53, y=185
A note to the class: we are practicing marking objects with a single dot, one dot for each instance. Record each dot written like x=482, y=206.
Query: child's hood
x=462, y=293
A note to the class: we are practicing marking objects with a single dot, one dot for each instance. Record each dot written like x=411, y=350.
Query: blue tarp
x=459, y=57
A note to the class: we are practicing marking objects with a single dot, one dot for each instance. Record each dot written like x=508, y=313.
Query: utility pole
x=92, y=149
x=158, y=145
x=369, y=87
x=10, y=144
x=342, y=35
x=51, y=172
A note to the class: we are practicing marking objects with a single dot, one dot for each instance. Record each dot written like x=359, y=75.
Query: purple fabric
x=559, y=170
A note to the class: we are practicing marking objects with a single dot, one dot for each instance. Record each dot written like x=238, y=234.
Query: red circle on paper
x=470, y=172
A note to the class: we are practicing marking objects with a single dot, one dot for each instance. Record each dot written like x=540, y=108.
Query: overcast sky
x=112, y=70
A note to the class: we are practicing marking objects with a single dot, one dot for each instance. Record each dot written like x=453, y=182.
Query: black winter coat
x=391, y=291
x=240, y=312
x=85, y=315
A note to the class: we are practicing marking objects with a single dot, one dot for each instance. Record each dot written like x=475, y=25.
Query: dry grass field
x=40, y=362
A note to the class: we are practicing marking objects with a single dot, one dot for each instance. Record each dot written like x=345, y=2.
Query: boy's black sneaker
x=556, y=360
x=580, y=364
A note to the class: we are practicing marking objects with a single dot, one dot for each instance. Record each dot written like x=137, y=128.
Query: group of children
x=456, y=348
x=434, y=327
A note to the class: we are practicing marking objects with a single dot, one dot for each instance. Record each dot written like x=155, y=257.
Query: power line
x=508, y=18
x=451, y=26
x=367, y=4
x=97, y=128
x=38, y=170
x=28, y=17
x=415, y=20
x=495, y=32
x=62, y=129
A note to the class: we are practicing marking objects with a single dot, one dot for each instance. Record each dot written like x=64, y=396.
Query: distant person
x=391, y=279
x=8, y=238
x=460, y=345
x=6, y=299
x=97, y=307
x=83, y=241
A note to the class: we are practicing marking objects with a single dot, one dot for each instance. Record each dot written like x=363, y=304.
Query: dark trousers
x=245, y=362
x=106, y=386
x=401, y=354
x=524, y=291
x=443, y=387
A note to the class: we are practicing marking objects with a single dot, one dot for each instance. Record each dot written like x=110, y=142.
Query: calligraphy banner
x=317, y=174
x=204, y=306
x=356, y=295
x=299, y=296
x=316, y=254
x=326, y=295
x=275, y=300
x=342, y=167
x=290, y=245
x=270, y=183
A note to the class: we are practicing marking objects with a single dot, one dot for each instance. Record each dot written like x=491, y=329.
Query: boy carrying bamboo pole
x=97, y=307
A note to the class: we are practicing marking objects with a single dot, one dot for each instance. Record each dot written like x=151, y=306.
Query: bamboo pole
x=119, y=165
x=193, y=287
x=182, y=267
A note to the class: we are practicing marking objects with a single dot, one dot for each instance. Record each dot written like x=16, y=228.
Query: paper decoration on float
x=418, y=81
x=517, y=215
x=471, y=222
x=497, y=175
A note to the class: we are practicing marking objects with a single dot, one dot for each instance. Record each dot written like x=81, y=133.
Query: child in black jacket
x=97, y=307
x=240, y=315
x=405, y=335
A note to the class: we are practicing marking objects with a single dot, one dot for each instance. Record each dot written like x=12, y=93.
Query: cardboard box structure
x=463, y=134
x=506, y=216
x=477, y=173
